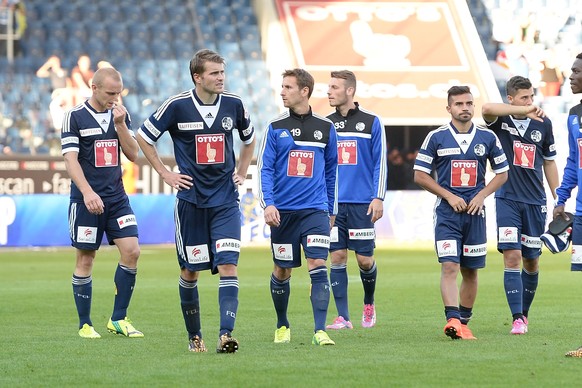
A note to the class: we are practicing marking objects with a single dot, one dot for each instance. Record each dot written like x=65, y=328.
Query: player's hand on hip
x=238, y=179
x=177, y=181
x=272, y=216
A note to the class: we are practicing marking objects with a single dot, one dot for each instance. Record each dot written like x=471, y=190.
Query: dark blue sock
x=466, y=314
x=338, y=277
x=124, y=282
x=280, y=290
x=190, y=303
x=452, y=312
x=513, y=290
x=319, y=296
x=82, y=292
x=369, y=282
x=530, y=285
x=228, y=303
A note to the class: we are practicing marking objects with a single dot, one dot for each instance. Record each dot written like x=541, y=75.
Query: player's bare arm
x=376, y=209
x=427, y=182
x=173, y=179
x=490, y=111
x=551, y=173
x=127, y=142
x=244, y=160
x=92, y=200
x=272, y=216
x=476, y=204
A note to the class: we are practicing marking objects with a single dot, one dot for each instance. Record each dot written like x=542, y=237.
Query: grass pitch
x=39, y=345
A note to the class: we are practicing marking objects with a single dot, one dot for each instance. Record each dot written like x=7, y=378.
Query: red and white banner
x=406, y=54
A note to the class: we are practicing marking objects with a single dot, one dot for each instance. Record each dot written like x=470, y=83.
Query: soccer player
x=573, y=173
x=93, y=136
x=201, y=122
x=361, y=188
x=458, y=152
x=528, y=141
x=297, y=165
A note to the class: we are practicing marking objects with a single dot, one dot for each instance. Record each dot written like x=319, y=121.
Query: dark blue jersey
x=297, y=163
x=361, y=156
x=92, y=134
x=527, y=143
x=203, y=143
x=460, y=159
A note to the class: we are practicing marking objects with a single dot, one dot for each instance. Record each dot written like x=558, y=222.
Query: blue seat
x=229, y=50
x=226, y=32
x=161, y=49
x=160, y=32
x=183, y=32
x=221, y=16
x=138, y=31
x=139, y=50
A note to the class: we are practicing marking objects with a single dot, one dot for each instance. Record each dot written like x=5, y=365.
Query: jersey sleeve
x=266, y=167
x=570, y=177
x=245, y=127
x=159, y=122
x=497, y=157
x=331, y=171
x=69, y=134
x=549, y=146
x=426, y=154
x=379, y=151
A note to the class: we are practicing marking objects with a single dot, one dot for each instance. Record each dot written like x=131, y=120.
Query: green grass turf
x=39, y=345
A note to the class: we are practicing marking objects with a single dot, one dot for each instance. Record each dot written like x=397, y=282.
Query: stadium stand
x=149, y=41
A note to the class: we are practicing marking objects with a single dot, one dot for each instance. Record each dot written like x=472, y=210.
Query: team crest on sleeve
x=318, y=135
x=464, y=173
x=227, y=123
x=197, y=254
x=106, y=154
x=300, y=163
x=360, y=126
x=210, y=148
x=347, y=152
x=524, y=155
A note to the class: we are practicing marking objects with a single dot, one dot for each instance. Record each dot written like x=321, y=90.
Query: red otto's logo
x=88, y=232
x=281, y=250
x=195, y=252
x=507, y=232
x=446, y=245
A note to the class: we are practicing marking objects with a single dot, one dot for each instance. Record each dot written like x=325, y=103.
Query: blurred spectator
x=398, y=172
x=81, y=77
x=551, y=75
x=52, y=69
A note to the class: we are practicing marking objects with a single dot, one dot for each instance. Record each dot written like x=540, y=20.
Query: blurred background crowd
x=50, y=49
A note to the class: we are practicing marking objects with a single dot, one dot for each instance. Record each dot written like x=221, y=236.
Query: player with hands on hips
x=201, y=122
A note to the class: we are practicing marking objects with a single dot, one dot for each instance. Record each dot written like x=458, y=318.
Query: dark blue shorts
x=207, y=237
x=86, y=229
x=459, y=237
x=519, y=226
x=308, y=228
x=353, y=229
